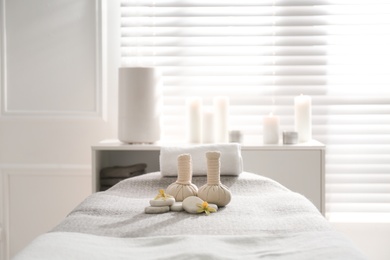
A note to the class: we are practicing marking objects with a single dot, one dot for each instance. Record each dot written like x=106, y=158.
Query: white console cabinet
x=300, y=167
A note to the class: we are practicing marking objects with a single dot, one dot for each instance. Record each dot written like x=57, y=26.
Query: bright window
x=263, y=53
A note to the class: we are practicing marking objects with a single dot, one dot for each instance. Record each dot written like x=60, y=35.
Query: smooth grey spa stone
x=156, y=210
x=190, y=204
x=161, y=202
x=214, y=206
x=177, y=206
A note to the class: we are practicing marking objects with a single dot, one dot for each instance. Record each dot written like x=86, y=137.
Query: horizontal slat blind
x=263, y=53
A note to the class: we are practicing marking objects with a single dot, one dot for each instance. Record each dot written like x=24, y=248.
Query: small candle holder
x=290, y=137
x=235, y=136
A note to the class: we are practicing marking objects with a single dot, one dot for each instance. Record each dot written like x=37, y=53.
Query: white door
x=55, y=103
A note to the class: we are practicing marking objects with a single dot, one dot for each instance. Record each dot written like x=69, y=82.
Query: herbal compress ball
x=214, y=191
x=183, y=187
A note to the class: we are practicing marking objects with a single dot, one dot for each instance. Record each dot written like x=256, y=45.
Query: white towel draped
x=231, y=160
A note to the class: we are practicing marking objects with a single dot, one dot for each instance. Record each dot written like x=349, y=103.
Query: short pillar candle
x=221, y=118
x=271, y=129
x=302, y=107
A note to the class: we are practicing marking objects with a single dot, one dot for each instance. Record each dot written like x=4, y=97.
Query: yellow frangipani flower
x=162, y=195
x=204, y=207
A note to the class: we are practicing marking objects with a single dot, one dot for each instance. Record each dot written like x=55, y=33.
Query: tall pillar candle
x=271, y=129
x=208, y=127
x=194, y=120
x=139, y=104
x=221, y=118
x=302, y=108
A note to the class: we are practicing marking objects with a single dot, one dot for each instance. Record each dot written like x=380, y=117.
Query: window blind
x=263, y=53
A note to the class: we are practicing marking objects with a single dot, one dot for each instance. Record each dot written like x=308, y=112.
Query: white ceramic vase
x=139, y=100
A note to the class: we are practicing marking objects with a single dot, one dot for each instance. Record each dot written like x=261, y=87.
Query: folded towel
x=231, y=160
x=122, y=171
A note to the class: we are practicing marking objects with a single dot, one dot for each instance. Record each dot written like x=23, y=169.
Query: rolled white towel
x=231, y=160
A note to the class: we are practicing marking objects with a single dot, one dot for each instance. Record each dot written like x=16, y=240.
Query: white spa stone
x=214, y=206
x=162, y=202
x=177, y=206
x=190, y=204
x=156, y=210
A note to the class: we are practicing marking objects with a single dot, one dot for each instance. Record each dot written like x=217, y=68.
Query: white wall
x=57, y=98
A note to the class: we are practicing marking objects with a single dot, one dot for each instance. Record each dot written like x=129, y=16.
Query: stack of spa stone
x=189, y=204
x=112, y=175
x=160, y=205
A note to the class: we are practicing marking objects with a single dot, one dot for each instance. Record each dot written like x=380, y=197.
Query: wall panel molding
x=85, y=95
x=11, y=173
x=3, y=58
x=4, y=254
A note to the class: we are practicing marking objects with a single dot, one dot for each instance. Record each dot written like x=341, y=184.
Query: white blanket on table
x=300, y=246
x=264, y=220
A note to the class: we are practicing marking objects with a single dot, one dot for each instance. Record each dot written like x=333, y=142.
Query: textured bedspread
x=264, y=220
